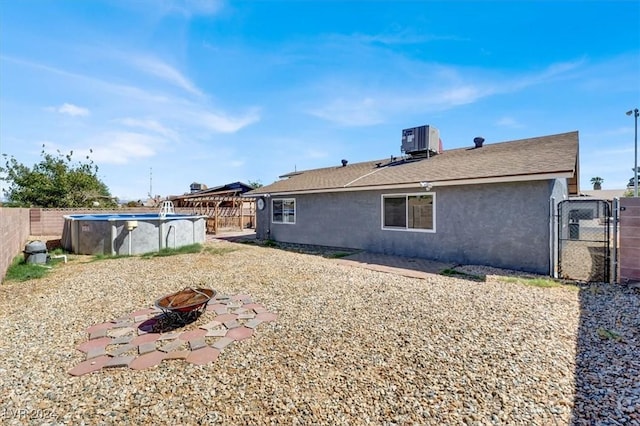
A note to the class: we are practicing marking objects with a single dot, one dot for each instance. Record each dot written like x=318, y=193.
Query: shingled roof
x=539, y=158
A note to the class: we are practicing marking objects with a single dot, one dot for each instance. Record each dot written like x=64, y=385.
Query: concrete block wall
x=629, y=258
x=14, y=233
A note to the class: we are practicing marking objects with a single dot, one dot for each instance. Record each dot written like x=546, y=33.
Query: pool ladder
x=167, y=208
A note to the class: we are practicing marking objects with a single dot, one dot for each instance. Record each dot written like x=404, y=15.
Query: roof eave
x=412, y=185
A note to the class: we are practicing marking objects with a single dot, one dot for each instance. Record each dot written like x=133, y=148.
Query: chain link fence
x=584, y=240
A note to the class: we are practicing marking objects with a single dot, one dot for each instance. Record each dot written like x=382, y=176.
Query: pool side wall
x=111, y=236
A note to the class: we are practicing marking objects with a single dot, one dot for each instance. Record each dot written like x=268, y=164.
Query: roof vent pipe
x=344, y=163
x=478, y=141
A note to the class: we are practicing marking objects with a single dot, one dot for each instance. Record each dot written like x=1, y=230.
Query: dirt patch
x=583, y=261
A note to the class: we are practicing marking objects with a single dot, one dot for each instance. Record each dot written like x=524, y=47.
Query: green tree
x=597, y=182
x=55, y=181
x=254, y=184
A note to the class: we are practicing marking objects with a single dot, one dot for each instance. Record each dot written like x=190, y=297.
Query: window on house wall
x=283, y=210
x=414, y=212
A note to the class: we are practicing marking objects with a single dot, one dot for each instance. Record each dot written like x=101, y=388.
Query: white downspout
x=552, y=239
x=613, y=240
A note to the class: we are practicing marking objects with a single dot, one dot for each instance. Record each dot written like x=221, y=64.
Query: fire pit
x=185, y=306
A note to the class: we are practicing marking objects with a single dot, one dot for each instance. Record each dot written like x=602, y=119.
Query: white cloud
x=379, y=107
x=445, y=88
x=223, y=123
x=363, y=112
x=162, y=70
x=460, y=95
x=403, y=36
x=315, y=154
x=157, y=107
x=149, y=124
x=70, y=109
x=552, y=72
x=92, y=84
x=189, y=8
x=120, y=147
x=509, y=122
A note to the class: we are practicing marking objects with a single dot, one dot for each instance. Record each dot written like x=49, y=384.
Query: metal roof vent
x=344, y=163
x=479, y=140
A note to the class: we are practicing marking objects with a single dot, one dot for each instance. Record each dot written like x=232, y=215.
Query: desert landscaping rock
x=349, y=346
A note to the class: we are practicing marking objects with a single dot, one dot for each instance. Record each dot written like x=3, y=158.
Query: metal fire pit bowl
x=185, y=306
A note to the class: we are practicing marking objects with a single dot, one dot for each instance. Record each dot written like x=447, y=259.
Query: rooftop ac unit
x=421, y=140
x=195, y=187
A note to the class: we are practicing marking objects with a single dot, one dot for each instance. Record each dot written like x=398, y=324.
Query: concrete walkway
x=406, y=266
x=238, y=236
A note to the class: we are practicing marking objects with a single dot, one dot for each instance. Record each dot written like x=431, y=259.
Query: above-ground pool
x=126, y=234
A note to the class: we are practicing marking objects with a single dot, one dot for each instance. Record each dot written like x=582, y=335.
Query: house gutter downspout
x=552, y=238
x=268, y=202
x=614, y=251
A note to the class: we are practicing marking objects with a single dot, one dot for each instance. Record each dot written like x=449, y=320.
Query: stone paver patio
x=133, y=341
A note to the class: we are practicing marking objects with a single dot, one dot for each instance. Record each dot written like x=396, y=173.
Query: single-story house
x=603, y=194
x=585, y=210
x=489, y=204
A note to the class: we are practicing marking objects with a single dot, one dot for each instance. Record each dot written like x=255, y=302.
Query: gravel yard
x=350, y=346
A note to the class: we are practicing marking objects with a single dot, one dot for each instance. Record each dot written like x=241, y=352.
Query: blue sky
x=216, y=92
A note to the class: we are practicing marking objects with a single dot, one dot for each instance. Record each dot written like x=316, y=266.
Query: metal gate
x=584, y=243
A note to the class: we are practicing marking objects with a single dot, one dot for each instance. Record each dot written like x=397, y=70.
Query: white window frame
x=284, y=200
x=406, y=228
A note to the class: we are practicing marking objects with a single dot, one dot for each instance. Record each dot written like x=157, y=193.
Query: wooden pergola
x=224, y=207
